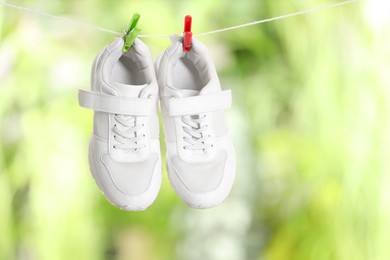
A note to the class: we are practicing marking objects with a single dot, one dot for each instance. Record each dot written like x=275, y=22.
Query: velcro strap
x=115, y=105
x=198, y=104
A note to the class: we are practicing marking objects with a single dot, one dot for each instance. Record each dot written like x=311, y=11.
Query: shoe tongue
x=129, y=90
x=181, y=92
x=211, y=87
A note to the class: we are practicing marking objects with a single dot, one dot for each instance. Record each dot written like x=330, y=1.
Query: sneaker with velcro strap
x=124, y=148
x=200, y=156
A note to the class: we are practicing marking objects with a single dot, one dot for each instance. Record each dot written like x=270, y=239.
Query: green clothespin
x=131, y=33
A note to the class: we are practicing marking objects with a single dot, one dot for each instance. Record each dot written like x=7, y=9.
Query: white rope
x=28, y=10
x=153, y=36
x=277, y=18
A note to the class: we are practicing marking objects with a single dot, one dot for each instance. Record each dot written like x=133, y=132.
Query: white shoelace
x=127, y=137
x=196, y=128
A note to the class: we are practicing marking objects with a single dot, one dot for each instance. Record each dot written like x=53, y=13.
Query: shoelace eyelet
x=120, y=129
x=195, y=127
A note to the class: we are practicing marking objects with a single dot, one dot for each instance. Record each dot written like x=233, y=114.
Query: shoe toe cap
x=132, y=178
x=200, y=177
x=129, y=186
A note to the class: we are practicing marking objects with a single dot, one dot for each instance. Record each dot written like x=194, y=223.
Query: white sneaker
x=200, y=158
x=124, y=149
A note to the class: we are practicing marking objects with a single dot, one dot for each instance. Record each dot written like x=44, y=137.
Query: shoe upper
x=200, y=156
x=124, y=147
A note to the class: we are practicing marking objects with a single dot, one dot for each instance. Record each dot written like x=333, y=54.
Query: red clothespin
x=187, y=34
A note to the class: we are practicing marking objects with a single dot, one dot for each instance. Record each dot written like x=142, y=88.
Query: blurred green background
x=310, y=122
